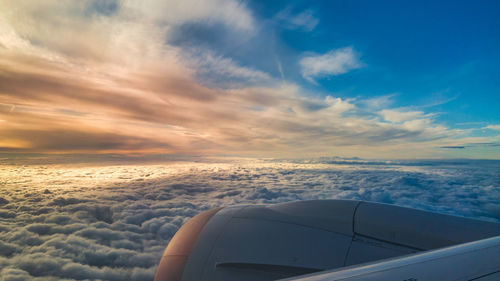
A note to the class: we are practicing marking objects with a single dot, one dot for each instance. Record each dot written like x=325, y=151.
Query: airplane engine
x=270, y=242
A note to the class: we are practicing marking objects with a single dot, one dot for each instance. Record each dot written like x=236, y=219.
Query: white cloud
x=416, y=122
x=378, y=103
x=398, y=116
x=493, y=127
x=335, y=62
x=133, y=29
x=338, y=105
x=113, y=222
x=232, y=13
x=304, y=20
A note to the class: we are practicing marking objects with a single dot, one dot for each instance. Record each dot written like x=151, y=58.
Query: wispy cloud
x=335, y=62
x=224, y=71
x=304, y=20
x=377, y=103
x=398, y=115
x=232, y=13
x=493, y=127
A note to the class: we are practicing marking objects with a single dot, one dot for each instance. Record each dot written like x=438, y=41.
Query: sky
x=287, y=79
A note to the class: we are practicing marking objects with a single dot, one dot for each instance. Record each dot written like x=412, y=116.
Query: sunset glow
x=177, y=77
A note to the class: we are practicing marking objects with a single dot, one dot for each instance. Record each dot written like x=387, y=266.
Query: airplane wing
x=479, y=261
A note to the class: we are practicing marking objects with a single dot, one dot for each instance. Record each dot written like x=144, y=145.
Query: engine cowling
x=270, y=242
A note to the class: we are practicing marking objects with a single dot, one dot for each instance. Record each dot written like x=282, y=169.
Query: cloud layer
x=113, y=222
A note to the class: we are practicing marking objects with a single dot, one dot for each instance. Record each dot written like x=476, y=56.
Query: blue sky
x=440, y=54
x=393, y=79
x=434, y=55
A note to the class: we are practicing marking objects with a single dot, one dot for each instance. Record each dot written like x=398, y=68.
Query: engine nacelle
x=270, y=242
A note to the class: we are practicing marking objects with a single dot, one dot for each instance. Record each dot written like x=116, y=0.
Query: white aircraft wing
x=478, y=260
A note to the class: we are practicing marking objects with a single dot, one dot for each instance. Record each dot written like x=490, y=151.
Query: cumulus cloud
x=335, y=62
x=113, y=222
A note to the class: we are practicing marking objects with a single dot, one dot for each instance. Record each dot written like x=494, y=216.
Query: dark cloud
x=103, y=7
x=7, y=249
x=3, y=201
x=73, y=139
